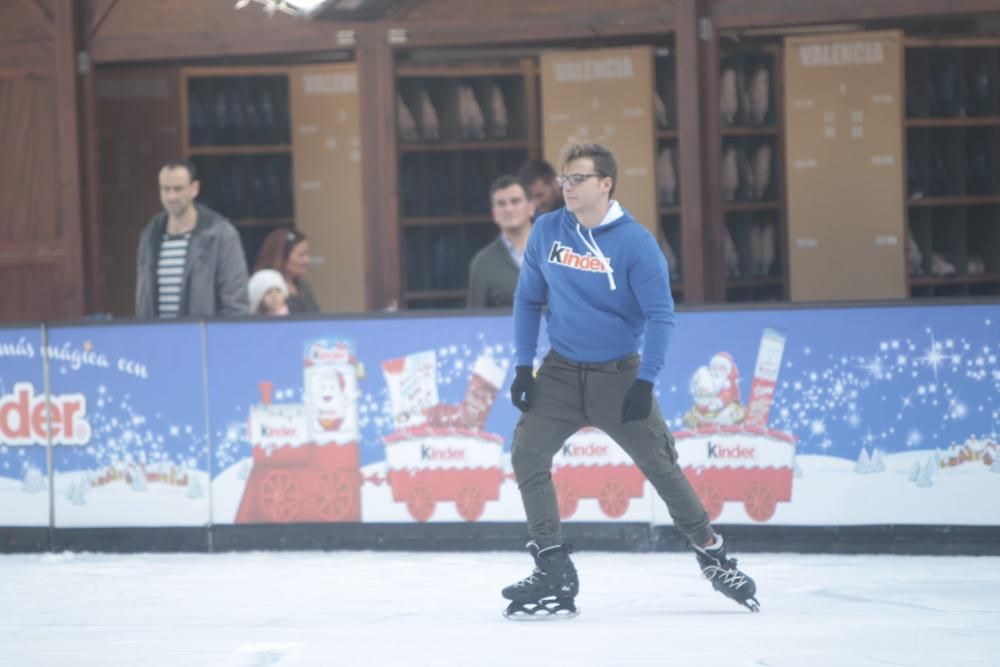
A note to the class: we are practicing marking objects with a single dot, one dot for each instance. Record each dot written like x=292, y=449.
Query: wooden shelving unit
x=485, y=145
x=752, y=206
x=447, y=163
x=668, y=158
x=953, y=167
x=762, y=131
x=981, y=200
x=753, y=179
x=236, y=129
x=239, y=150
x=989, y=121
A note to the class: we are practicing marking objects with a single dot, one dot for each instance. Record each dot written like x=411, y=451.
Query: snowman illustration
x=329, y=401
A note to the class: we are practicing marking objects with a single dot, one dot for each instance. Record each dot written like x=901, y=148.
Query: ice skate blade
x=750, y=603
x=549, y=609
x=543, y=616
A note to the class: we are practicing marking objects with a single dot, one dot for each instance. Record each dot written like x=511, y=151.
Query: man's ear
x=195, y=188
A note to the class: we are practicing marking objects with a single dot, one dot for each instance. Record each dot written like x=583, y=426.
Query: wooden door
x=40, y=228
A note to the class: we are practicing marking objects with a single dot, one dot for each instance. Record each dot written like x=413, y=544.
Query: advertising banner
x=24, y=477
x=825, y=417
x=837, y=416
x=362, y=420
x=133, y=449
x=811, y=417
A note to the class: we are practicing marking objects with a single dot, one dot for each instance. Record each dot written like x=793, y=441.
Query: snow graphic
x=901, y=393
x=123, y=438
x=127, y=424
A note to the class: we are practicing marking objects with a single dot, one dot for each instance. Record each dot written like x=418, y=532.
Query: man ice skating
x=606, y=285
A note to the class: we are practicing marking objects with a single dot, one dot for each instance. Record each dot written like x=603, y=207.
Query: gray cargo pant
x=570, y=395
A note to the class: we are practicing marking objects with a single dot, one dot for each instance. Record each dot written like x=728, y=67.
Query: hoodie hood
x=615, y=216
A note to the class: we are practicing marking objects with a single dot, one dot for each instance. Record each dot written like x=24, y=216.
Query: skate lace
x=731, y=577
x=530, y=579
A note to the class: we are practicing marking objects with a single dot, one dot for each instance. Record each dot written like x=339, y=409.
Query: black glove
x=638, y=401
x=523, y=387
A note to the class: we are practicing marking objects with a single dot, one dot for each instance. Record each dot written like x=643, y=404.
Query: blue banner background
x=898, y=379
x=893, y=378
x=21, y=362
x=145, y=394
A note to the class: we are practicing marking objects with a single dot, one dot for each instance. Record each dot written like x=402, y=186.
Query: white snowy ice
x=362, y=608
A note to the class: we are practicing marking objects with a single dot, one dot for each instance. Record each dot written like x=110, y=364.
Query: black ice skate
x=725, y=576
x=549, y=591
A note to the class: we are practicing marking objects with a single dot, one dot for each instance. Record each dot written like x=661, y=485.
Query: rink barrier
x=212, y=374
x=585, y=536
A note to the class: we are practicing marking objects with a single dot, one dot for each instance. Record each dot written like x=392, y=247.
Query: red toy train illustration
x=440, y=452
x=428, y=465
x=306, y=463
x=727, y=451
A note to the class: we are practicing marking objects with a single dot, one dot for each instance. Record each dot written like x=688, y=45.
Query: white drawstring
x=596, y=249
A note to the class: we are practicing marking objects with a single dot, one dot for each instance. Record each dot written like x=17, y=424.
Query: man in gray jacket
x=191, y=261
x=494, y=270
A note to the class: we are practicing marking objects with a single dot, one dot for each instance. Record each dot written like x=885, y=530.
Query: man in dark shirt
x=494, y=270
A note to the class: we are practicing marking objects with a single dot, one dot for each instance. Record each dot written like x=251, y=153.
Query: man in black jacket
x=190, y=259
x=494, y=270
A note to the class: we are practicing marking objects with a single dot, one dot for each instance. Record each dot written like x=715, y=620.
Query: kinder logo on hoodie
x=565, y=255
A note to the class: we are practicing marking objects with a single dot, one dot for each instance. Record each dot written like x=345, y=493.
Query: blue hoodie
x=605, y=289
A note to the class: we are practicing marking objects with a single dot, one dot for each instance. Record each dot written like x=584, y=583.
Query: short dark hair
x=503, y=182
x=181, y=163
x=604, y=161
x=535, y=170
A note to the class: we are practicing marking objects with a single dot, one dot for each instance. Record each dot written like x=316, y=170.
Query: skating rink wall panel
x=783, y=418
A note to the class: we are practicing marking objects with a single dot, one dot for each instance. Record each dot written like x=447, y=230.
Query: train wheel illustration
x=567, y=498
x=613, y=499
x=470, y=503
x=759, y=502
x=280, y=496
x=334, y=495
x=711, y=498
x=420, y=503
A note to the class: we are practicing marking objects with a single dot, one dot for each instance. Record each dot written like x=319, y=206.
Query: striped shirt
x=170, y=273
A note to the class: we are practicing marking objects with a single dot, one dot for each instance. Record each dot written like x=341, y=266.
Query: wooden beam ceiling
x=40, y=12
x=368, y=10
x=736, y=14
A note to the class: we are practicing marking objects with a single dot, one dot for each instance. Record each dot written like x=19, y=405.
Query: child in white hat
x=268, y=293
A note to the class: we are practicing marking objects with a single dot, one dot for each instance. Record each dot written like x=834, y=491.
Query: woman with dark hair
x=286, y=250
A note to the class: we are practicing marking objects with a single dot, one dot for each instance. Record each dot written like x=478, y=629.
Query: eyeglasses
x=573, y=180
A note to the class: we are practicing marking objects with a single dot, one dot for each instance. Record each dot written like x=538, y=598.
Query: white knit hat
x=261, y=283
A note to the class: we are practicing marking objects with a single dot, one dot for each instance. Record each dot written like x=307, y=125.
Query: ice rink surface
x=363, y=608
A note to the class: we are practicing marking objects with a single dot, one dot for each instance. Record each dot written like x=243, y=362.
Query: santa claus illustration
x=726, y=377
x=716, y=393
